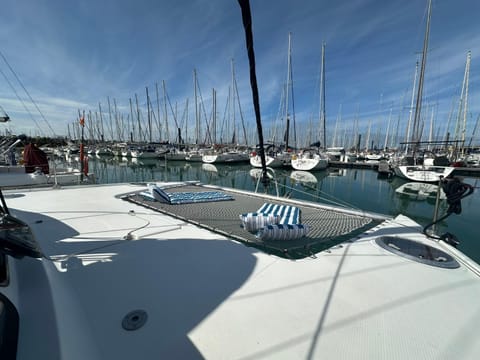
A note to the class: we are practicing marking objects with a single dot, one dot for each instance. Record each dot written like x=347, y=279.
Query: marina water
x=357, y=188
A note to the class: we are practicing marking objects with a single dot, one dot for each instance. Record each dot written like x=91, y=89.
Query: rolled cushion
x=283, y=232
x=158, y=193
x=255, y=221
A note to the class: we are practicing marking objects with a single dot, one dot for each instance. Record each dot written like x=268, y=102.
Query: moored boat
x=422, y=173
x=309, y=161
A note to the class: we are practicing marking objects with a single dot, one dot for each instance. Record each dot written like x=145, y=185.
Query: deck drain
x=134, y=320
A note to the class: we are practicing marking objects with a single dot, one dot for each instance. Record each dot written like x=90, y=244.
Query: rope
x=455, y=191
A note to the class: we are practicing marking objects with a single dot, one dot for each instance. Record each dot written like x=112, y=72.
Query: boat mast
x=463, y=107
x=322, y=98
x=138, y=119
x=287, y=88
x=165, y=112
x=159, y=123
x=214, y=115
x=418, y=107
x=197, y=121
x=149, y=118
x=132, y=132
x=387, y=133
x=102, y=135
x=409, y=124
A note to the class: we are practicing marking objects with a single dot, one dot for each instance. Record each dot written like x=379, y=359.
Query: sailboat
x=120, y=271
x=279, y=156
x=312, y=159
x=422, y=173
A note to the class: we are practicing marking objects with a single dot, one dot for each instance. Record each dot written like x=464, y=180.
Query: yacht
x=309, y=160
x=117, y=274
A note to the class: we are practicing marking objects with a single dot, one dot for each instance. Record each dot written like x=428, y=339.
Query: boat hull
x=309, y=164
x=429, y=174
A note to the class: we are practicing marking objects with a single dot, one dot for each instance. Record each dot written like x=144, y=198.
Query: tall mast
x=138, y=119
x=418, y=107
x=159, y=123
x=465, y=105
x=322, y=98
x=232, y=105
x=409, y=124
x=149, y=118
x=165, y=110
x=102, y=135
x=214, y=115
x=197, y=120
x=132, y=133
x=287, y=88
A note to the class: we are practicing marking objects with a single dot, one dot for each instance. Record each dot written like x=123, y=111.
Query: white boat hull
x=430, y=174
x=225, y=158
x=280, y=160
x=309, y=163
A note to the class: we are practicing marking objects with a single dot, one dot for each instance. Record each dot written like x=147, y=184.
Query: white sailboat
x=423, y=173
x=144, y=152
x=274, y=158
x=309, y=160
x=312, y=159
x=226, y=157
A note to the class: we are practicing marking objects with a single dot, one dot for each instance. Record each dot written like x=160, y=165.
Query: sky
x=59, y=57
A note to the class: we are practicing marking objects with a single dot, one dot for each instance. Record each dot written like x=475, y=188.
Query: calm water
x=358, y=188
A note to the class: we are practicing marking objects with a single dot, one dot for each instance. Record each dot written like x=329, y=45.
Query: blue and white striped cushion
x=196, y=197
x=283, y=232
x=255, y=221
x=288, y=214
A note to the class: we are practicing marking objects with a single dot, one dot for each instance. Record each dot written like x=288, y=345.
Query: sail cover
x=33, y=158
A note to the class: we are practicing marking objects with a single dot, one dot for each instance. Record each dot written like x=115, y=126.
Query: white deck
x=207, y=296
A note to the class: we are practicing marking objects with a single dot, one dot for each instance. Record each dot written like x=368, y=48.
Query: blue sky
x=71, y=55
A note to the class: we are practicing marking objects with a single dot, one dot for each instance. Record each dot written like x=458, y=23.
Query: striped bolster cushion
x=283, y=232
x=255, y=221
x=147, y=195
x=158, y=193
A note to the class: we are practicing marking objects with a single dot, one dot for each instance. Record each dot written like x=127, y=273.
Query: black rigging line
x=26, y=91
x=20, y=99
x=247, y=25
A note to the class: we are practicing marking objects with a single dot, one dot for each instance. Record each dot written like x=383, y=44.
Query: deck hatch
x=418, y=252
